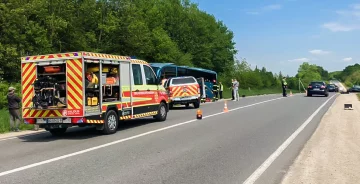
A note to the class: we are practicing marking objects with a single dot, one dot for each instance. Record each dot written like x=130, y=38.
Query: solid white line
x=122, y=140
x=262, y=168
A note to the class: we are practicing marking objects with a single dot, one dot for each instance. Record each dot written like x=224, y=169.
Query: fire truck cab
x=89, y=89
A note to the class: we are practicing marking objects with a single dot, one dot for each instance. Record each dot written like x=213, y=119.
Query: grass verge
x=358, y=95
x=5, y=122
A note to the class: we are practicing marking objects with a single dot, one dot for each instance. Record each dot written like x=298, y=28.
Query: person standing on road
x=221, y=90
x=215, y=90
x=13, y=104
x=236, y=90
x=232, y=89
x=284, y=86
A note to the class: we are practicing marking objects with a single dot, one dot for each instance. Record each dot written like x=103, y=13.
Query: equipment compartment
x=50, y=87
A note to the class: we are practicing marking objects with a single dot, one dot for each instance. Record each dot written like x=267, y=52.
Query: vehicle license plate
x=54, y=120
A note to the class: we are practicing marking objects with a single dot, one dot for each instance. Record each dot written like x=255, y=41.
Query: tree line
x=349, y=76
x=154, y=30
x=174, y=31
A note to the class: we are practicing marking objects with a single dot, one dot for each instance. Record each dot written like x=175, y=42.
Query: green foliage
x=350, y=75
x=311, y=72
x=155, y=30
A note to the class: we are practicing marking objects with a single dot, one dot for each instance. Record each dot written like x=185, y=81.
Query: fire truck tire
x=57, y=131
x=171, y=105
x=162, y=112
x=111, y=122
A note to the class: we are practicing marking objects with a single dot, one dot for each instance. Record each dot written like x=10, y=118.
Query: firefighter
x=216, y=91
x=284, y=86
x=221, y=90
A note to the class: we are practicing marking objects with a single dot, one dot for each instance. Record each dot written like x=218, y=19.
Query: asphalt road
x=221, y=148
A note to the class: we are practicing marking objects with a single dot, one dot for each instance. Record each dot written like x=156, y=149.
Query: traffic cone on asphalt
x=199, y=114
x=225, y=107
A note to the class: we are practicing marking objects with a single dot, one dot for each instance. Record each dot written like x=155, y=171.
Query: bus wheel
x=111, y=122
x=162, y=112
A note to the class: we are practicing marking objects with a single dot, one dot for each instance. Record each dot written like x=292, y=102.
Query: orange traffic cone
x=225, y=107
x=199, y=114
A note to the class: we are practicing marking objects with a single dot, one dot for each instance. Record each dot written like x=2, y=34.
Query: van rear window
x=183, y=81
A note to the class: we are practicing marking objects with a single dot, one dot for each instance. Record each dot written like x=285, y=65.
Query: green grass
x=254, y=92
x=358, y=95
x=5, y=122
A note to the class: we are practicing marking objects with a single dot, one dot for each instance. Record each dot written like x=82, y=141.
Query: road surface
x=222, y=148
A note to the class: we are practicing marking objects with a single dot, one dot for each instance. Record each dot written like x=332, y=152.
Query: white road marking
x=43, y=132
x=265, y=165
x=123, y=140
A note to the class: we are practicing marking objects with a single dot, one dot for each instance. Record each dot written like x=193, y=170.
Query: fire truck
x=89, y=89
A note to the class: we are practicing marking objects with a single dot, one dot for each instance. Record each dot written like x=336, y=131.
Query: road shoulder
x=332, y=153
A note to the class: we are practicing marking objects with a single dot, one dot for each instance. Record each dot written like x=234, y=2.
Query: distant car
x=355, y=88
x=317, y=88
x=333, y=88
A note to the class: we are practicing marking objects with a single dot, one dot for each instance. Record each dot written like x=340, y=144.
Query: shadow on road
x=78, y=133
x=183, y=108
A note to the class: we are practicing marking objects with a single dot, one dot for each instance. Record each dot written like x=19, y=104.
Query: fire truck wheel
x=162, y=112
x=58, y=131
x=171, y=105
x=111, y=122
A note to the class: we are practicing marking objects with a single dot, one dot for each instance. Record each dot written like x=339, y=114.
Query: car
x=317, y=88
x=355, y=88
x=333, y=88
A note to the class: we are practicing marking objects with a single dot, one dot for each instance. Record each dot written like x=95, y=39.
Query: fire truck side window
x=149, y=75
x=137, y=76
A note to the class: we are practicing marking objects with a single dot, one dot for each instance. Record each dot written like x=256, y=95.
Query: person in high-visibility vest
x=216, y=91
x=284, y=86
x=221, y=90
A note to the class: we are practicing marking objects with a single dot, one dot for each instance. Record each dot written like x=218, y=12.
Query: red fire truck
x=85, y=88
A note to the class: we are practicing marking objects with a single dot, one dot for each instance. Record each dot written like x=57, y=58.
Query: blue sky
x=281, y=34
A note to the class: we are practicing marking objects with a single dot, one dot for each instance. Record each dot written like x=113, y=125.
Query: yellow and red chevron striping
x=51, y=56
x=75, y=83
x=43, y=113
x=28, y=77
x=94, y=121
x=99, y=55
x=178, y=91
x=139, y=61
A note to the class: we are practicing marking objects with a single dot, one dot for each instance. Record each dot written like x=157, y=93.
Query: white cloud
x=319, y=52
x=253, y=13
x=299, y=60
x=336, y=27
x=273, y=7
x=347, y=59
x=264, y=9
x=347, y=20
x=356, y=6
